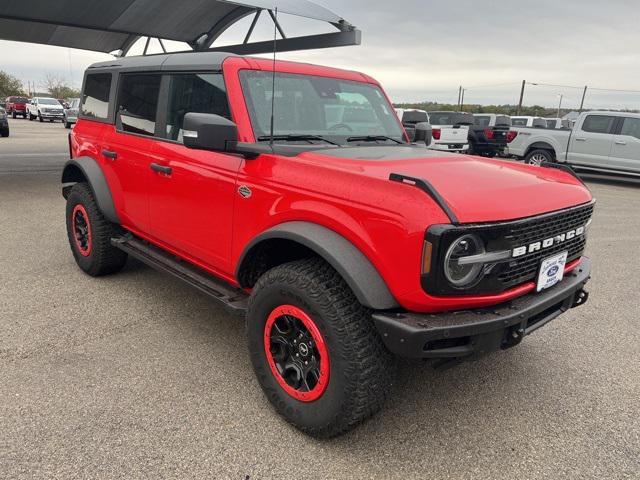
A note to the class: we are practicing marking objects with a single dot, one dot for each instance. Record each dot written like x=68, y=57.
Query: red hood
x=476, y=189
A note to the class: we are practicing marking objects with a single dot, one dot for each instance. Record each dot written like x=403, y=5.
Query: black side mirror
x=424, y=133
x=206, y=131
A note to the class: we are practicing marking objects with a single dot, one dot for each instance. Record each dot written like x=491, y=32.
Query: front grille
x=525, y=268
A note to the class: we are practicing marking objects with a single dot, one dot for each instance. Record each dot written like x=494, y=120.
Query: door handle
x=620, y=142
x=161, y=168
x=109, y=154
x=581, y=139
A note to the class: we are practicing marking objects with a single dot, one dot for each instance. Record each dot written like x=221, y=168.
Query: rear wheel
x=4, y=133
x=315, y=350
x=90, y=234
x=538, y=157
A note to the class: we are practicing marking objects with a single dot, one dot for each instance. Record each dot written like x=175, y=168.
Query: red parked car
x=17, y=106
x=309, y=213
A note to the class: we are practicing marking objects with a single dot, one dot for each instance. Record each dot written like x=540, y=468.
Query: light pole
x=560, y=105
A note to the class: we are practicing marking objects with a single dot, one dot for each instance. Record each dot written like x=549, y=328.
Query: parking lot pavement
x=34, y=147
x=139, y=376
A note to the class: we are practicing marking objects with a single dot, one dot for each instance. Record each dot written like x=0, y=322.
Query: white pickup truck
x=601, y=142
x=45, y=108
x=450, y=131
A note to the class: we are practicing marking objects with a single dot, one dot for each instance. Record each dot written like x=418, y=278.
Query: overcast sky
x=424, y=49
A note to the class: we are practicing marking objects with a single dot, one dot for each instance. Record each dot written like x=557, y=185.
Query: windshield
x=519, y=122
x=18, y=100
x=451, y=118
x=338, y=110
x=48, y=101
x=74, y=102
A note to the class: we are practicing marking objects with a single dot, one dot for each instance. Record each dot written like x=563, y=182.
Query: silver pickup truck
x=606, y=142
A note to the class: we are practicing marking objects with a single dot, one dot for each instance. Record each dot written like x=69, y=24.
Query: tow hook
x=580, y=298
x=513, y=337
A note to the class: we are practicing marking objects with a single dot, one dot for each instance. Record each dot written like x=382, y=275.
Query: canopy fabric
x=109, y=25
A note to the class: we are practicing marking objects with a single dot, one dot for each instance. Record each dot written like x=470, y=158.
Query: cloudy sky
x=425, y=49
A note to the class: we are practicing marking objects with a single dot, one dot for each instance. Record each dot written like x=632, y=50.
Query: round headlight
x=463, y=275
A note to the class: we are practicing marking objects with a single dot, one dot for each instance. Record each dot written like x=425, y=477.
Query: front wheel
x=90, y=234
x=315, y=350
x=538, y=157
x=40, y=117
x=14, y=115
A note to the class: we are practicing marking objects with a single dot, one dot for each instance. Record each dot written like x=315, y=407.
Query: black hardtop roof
x=165, y=62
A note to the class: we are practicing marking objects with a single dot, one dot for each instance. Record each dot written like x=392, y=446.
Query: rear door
x=191, y=206
x=625, y=152
x=129, y=148
x=591, y=143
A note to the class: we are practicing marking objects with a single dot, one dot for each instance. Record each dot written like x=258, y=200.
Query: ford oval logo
x=553, y=271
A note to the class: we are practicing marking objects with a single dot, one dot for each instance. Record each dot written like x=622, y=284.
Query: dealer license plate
x=551, y=271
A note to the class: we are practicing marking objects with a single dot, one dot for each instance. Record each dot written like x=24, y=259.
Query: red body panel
x=197, y=213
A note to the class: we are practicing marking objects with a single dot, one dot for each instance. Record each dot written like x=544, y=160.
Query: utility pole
x=584, y=94
x=560, y=105
x=459, y=96
x=462, y=99
x=524, y=82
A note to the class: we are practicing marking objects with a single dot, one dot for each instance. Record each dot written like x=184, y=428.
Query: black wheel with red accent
x=315, y=350
x=90, y=234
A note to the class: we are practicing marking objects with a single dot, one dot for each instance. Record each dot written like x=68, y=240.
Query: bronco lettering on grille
x=547, y=243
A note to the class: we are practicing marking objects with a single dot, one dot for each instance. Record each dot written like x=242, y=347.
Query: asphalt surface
x=139, y=376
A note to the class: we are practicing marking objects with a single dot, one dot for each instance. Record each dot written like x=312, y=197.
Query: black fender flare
x=87, y=169
x=541, y=146
x=355, y=268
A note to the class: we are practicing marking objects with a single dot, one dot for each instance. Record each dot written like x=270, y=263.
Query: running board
x=233, y=299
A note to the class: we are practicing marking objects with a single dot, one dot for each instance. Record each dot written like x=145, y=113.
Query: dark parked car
x=4, y=123
x=488, y=134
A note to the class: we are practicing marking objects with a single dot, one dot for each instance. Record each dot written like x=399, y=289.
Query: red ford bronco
x=310, y=213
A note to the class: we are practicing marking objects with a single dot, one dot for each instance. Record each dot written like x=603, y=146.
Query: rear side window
x=519, y=122
x=631, y=127
x=138, y=103
x=194, y=93
x=598, y=124
x=481, y=121
x=95, y=97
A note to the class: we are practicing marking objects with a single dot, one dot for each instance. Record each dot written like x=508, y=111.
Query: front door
x=625, y=153
x=191, y=196
x=590, y=145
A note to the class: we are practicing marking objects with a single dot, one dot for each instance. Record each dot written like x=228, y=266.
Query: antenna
x=273, y=83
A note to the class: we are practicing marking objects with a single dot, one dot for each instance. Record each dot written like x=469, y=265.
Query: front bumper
x=472, y=333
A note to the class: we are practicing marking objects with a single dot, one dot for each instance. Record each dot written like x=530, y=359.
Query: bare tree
x=58, y=87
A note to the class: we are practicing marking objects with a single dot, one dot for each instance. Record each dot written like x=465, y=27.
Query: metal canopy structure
x=114, y=26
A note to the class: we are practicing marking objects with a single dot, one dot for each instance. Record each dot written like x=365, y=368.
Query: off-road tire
x=102, y=258
x=40, y=117
x=538, y=156
x=362, y=370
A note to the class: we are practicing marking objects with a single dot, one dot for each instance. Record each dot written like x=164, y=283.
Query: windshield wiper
x=293, y=138
x=373, y=138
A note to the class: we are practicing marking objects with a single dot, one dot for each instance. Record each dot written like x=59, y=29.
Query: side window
x=138, y=103
x=194, y=93
x=598, y=124
x=631, y=127
x=95, y=97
